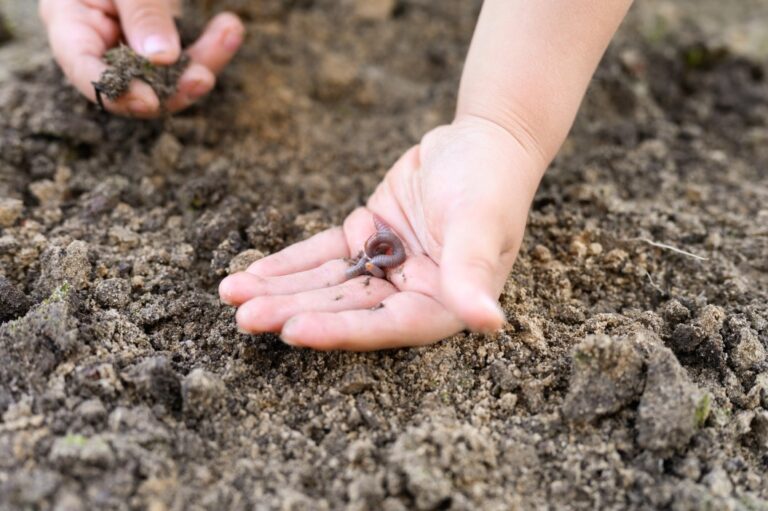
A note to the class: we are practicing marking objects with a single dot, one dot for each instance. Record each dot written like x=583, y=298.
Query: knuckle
x=144, y=13
x=480, y=264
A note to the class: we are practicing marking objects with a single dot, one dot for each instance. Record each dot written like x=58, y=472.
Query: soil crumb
x=126, y=65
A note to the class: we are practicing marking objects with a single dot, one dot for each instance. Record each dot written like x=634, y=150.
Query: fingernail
x=156, y=45
x=138, y=107
x=285, y=334
x=233, y=40
x=492, y=304
x=242, y=330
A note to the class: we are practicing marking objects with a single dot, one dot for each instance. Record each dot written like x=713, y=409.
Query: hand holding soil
x=82, y=31
x=458, y=201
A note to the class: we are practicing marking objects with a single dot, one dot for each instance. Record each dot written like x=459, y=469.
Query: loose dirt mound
x=632, y=373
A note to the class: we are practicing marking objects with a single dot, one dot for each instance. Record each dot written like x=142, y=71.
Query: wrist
x=511, y=142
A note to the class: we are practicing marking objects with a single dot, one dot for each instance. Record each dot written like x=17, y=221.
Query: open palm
x=458, y=201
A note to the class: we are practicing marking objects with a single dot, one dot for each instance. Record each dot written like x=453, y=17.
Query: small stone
x=577, y=248
x=541, y=253
x=244, y=259
x=671, y=408
x=675, y=312
x=374, y=10
x=503, y=378
x=356, y=380
x=595, y=249
x=759, y=429
x=68, y=502
x=166, y=152
x=615, y=259
x=92, y=410
x=46, y=192
x=749, y=352
x=79, y=450
x=183, y=256
x=336, y=77
x=633, y=61
x=203, y=393
x=607, y=375
x=507, y=402
x=114, y=293
x=718, y=482
x=687, y=337
x=70, y=265
x=10, y=211
x=123, y=237
x=13, y=303
x=154, y=377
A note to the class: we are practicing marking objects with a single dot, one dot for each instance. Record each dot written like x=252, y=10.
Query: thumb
x=471, y=269
x=150, y=29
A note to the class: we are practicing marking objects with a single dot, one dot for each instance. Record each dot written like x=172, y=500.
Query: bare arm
x=530, y=63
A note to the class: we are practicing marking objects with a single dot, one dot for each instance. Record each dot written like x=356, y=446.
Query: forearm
x=530, y=63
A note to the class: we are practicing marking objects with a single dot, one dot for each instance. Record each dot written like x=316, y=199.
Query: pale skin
x=458, y=200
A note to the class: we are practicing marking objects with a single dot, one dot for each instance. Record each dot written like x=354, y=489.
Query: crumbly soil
x=632, y=373
x=126, y=65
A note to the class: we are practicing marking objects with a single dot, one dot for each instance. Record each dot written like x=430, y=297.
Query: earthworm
x=382, y=250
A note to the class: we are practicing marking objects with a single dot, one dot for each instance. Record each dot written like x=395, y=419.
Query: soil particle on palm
x=630, y=376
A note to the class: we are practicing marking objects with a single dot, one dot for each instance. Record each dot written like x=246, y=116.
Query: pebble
x=607, y=375
x=166, y=152
x=10, y=211
x=202, y=392
x=671, y=407
x=92, y=410
x=541, y=253
x=336, y=76
x=356, y=380
x=749, y=352
x=374, y=10
x=13, y=303
x=244, y=259
x=114, y=293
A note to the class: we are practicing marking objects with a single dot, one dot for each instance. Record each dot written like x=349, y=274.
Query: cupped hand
x=458, y=201
x=81, y=31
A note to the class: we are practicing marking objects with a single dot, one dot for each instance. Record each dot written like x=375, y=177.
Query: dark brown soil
x=126, y=65
x=632, y=373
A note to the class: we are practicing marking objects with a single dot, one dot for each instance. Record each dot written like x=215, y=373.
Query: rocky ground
x=632, y=373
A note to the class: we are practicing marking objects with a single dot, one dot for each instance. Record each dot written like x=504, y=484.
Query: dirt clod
x=125, y=65
x=607, y=375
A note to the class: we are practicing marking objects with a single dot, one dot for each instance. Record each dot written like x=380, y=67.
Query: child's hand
x=459, y=202
x=81, y=31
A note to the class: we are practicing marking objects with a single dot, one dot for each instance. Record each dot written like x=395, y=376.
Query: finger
x=269, y=313
x=471, y=269
x=304, y=255
x=105, y=6
x=403, y=319
x=220, y=41
x=240, y=287
x=150, y=29
x=196, y=81
x=78, y=48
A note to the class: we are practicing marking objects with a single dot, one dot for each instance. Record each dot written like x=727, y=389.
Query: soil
x=632, y=373
x=126, y=65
